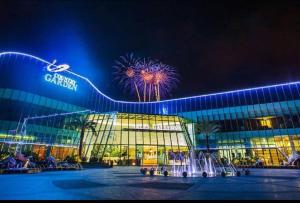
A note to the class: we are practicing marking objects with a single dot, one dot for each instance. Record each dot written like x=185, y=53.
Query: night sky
x=215, y=45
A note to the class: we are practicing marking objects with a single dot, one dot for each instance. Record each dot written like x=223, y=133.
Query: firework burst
x=145, y=75
x=126, y=73
x=165, y=79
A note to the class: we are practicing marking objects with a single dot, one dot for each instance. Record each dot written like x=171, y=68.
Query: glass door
x=150, y=155
x=161, y=155
x=139, y=155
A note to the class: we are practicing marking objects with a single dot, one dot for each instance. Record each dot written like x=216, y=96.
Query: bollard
x=204, y=174
x=184, y=174
x=223, y=174
x=151, y=171
x=166, y=173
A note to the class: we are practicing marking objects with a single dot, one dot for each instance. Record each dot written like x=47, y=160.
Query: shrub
x=93, y=159
x=35, y=157
x=71, y=159
x=3, y=155
x=83, y=159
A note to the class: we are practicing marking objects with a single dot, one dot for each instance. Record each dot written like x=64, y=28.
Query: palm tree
x=81, y=124
x=207, y=128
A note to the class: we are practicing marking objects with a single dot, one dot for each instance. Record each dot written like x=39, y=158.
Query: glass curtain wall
x=135, y=139
x=255, y=124
x=32, y=123
x=258, y=123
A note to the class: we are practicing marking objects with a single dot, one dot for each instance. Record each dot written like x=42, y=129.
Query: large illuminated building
x=41, y=101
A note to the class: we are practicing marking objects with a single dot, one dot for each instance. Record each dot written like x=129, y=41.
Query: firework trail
x=126, y=73
x=149, y=76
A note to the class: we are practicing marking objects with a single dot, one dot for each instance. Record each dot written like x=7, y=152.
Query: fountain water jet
x=196, y=165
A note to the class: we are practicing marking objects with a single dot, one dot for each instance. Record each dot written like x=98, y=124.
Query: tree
x=81, y=124
x=207, y=128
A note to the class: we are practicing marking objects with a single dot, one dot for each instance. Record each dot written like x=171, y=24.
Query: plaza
x=127, y=183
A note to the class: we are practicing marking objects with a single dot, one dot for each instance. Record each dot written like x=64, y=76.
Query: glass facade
x=254, y=123
x=135, y=139
x=42, y=134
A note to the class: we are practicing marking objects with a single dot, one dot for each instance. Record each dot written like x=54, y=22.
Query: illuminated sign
x=61, y=80
x=57, y=68
x=167, y=127
x=58, y=79
x=155, y=127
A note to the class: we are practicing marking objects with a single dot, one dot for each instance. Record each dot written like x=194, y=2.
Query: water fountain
x=196, y=165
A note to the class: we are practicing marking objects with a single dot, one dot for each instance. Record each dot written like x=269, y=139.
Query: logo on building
x=61, y=80
x=57, y=68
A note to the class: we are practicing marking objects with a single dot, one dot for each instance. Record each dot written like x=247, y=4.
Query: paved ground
x=128, y=183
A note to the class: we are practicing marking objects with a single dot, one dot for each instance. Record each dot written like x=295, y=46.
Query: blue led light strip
x=23, y=127
x=183, y=98
x=60, y=114
x=37, y=143
x=26, y=55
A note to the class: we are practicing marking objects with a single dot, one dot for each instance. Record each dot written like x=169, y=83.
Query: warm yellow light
x=130, y=72
x=266, y=122
x=23, y=137
x=147, y=76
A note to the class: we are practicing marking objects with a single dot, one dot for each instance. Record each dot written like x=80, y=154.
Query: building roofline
x=153, y=102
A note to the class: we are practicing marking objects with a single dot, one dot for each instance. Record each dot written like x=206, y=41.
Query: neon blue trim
x=26, y=55
x=128, y=102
